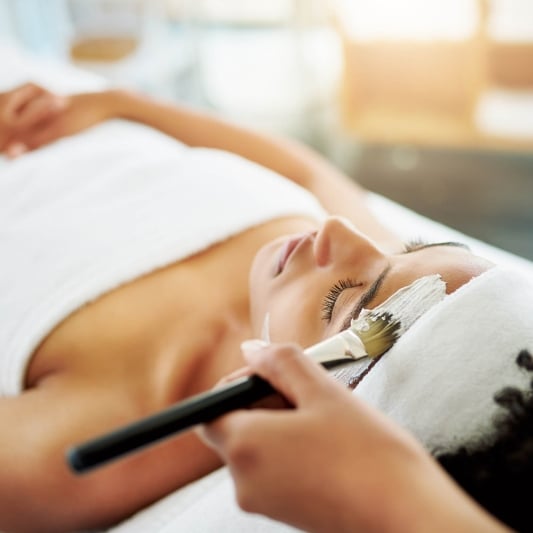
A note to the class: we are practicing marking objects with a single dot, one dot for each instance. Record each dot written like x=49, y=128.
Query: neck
x=206, y=348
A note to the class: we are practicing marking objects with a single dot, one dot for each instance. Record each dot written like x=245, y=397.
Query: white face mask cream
x=375, y=330
x=409, y=303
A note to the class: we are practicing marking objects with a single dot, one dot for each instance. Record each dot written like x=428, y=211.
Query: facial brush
x=371, y=335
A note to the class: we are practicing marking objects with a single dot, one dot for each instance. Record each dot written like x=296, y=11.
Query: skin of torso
x=143, y=346
x=171, y=333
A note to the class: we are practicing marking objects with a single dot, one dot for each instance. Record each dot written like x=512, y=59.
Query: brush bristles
x=379, y=334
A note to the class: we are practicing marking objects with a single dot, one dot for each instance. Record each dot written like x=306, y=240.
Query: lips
x=286, y=252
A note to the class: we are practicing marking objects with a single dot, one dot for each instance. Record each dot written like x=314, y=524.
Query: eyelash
x=413, y=244
x=333, y=294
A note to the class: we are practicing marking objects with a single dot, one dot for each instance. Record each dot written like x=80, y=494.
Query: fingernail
x=16, y=149
x=252, y=345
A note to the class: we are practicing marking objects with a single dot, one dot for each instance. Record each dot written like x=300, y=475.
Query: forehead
x=456, y=265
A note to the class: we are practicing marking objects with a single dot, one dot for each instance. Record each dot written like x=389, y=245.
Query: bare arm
x=337, y=192
x=37, y=490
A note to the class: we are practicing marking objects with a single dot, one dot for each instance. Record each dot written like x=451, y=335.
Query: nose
x=339, y=242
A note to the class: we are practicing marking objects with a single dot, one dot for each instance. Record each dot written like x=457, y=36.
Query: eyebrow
x=373, y=290
x=411, y=247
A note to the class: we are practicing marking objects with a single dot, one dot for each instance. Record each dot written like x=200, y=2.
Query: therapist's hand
x=31, y=116
x=333, y=463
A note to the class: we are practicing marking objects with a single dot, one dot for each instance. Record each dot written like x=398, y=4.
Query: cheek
x=293, y=302
x=294, y=314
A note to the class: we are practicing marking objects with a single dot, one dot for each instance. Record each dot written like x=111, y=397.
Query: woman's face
x=312, y=284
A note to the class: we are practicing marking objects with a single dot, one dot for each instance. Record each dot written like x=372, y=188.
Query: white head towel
x=440, y=378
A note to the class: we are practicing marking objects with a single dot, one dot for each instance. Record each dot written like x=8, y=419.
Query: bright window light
x=243, y=10
x=408, y=19
x=511, y=20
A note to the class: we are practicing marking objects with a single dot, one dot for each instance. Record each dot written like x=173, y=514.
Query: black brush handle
x=180, y=417
x=196, y=410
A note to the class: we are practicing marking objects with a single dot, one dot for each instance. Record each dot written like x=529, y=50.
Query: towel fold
x=94, y=211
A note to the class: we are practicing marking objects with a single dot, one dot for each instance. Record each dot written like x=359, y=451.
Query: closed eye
x=328, y=304
x=410, y=246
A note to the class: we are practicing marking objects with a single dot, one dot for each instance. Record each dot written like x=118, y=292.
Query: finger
x=239, y=373
x=244, y=428
x=15, y=148
x=294, y=375
x=39, y=109
x=5, y=140
x=45, y=133
x=18, y=99
x=216, y=433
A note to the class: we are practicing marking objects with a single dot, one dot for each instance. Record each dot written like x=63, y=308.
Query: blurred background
x=429, y=102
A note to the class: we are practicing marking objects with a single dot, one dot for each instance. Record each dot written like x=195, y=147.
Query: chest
x=171, y=333
x=156, y=336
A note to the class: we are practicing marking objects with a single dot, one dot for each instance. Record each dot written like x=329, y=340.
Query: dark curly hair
x=497, y=475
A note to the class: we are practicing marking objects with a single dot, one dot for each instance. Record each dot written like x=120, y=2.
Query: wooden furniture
x=428, y=92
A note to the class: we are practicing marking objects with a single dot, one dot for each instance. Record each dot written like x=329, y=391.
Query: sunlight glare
x=408, y=19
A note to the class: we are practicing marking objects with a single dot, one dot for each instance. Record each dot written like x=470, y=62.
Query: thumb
x=297, y=377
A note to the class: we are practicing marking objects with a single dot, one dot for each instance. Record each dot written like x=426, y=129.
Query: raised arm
x=337, y=192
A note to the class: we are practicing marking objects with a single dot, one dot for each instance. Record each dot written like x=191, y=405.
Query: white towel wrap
x=91, y=212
